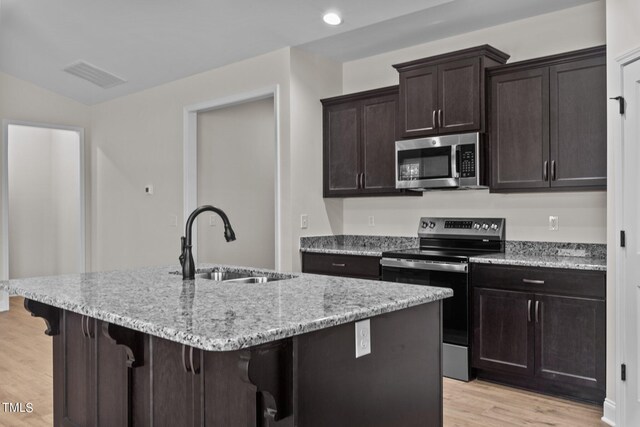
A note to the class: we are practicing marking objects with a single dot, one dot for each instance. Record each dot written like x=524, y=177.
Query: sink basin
x=240, y=276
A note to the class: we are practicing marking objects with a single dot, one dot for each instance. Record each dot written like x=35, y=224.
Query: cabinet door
x=418, y=102
x=503, y=331
x=570, y=340
x=378, y=144
x=172, y=393
x=459, y=96
x=77, y=401
x=341, y=149
x=519, y=135
x=112, y=388
x=578, y=97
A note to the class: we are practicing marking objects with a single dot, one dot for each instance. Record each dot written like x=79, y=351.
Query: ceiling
x=150, y=42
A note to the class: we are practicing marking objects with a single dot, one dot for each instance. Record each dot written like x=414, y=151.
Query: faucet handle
x=183, y=245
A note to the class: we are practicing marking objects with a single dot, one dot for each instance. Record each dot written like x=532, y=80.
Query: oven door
x=455, y=310
x=425, y=163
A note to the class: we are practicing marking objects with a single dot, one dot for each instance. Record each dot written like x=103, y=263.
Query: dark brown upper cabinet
x=359, y=132
x=445, y=93
x=548, y=127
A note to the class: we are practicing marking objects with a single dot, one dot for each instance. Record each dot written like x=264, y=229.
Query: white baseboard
x=4, y=301
x=609, y=412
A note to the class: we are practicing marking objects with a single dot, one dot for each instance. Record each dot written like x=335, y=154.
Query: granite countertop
x=217, y=316
x=549, y=261
x=519, y=253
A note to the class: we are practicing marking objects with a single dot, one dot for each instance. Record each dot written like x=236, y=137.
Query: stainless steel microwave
x=441, y=162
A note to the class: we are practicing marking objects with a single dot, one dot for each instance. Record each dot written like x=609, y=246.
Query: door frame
x=190, y=155
x=617, y=135
x=4, y=161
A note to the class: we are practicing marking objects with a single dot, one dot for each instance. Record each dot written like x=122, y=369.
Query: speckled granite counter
x=575, y=256
x=219, y=316
x=355, y=245
x=548, y=261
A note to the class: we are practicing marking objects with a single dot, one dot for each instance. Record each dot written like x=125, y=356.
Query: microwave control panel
x=467, y=161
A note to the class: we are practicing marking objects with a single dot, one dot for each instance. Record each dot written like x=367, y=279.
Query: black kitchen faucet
x=186, y=258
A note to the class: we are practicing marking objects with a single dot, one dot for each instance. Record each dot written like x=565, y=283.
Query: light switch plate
x=304, y=221
x=212, y=220
x=372, y=221
x=553, y=223
x=363, y=338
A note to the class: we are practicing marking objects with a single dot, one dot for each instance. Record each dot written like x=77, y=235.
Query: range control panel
x=470, y=228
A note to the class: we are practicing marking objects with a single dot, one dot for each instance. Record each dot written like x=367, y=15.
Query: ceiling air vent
x=94, y=74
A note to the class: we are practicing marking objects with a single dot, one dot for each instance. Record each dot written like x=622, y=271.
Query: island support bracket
x=51, y=315
x=129, y=339
x=270, y=369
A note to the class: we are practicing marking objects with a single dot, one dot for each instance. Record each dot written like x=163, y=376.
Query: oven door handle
x=424, y=265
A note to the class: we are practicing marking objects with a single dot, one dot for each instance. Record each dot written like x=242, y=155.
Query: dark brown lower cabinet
x=542, y=335
x=106, y=375
x=362, y=267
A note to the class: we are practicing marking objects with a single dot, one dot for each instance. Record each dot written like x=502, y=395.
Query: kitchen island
x=145, y=348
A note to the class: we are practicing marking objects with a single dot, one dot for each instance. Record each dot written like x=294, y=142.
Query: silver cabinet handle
x=195, y=370
x=362, y=180
x=338, y=265
x=553, y=170
x=545, y=171
x=528, y=310
x=439, y=118
x=537, y=310
x=533, y=282
x=433, y=119
x=83, y=327
x=185, y=359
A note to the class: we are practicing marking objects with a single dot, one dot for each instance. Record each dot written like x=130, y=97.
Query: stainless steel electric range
x=443, y=260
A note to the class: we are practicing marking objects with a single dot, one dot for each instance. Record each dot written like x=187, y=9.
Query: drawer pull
x=533, y=282
x=338, y=265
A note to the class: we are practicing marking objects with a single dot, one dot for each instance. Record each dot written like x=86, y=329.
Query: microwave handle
x=456, y=172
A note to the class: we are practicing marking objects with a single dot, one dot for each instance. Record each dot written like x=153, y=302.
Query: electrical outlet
x=553, y=223
x=363, y=338
x=173, y=220
x=304, y=221
x=372, y=221
x=212, y=220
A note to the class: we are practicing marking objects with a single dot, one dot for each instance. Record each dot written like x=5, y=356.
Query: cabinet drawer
x=579, y=283
x=341, y=265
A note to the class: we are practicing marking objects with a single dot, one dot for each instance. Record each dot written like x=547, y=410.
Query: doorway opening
x=232, y=161
x=43, y=209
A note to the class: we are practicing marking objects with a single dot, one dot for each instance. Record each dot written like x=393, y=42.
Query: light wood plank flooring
x=25, y=376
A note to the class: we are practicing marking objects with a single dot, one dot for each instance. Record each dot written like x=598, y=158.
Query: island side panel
x=399, y=383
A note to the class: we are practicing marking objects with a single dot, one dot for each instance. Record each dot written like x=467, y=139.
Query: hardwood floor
x=25, y=376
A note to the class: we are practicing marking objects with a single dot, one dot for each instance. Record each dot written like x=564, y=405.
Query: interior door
x=629, y=318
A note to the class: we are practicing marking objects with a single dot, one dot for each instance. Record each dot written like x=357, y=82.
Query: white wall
x=138, y=140
x=237, y=172
x=582, y=216
x=623, y=35
x=312, y=78
x=21, y=100
x=43, y=201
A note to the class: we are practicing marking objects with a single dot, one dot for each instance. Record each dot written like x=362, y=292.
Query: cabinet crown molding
x=482, y=50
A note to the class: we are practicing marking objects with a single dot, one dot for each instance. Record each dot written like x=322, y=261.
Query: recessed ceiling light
x=332, y=18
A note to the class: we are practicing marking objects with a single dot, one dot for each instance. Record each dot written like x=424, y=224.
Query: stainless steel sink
x=241, y=276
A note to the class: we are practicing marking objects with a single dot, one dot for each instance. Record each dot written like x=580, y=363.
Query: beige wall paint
x=237, y=173
x=582, y=216
x=138, y=140
x=44, y=210
x=312, y=78
x=623, y=35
